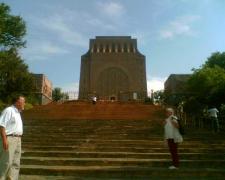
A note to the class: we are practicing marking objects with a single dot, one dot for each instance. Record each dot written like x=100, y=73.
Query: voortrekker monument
x=113, y=69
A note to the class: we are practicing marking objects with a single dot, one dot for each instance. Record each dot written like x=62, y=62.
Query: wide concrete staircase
x=85, y=110
x=127, y=148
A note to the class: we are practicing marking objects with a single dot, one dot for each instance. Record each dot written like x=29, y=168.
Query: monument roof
x=113, y=37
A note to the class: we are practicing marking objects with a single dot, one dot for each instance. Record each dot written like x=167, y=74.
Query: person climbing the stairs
x=172, y=136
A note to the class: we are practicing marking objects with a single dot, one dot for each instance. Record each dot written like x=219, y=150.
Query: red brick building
x=43, y=87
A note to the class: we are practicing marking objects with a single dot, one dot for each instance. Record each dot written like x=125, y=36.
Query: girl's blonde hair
x=170, y=110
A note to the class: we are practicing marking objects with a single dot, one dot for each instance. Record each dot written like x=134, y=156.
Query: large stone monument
x=113, y=69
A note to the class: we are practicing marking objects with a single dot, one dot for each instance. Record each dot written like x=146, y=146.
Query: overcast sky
x=174, y=35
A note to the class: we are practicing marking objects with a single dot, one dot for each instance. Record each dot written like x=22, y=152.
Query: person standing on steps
x=214, y=119
x=172, y=136
x=94, y=100
x=11, y=131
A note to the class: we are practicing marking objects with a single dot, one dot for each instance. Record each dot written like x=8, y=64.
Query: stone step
x=114, y=140
x=107, y=172
x=82, y=130
x=75, y=154
x=51, y=161
x=94, y=132
x=149, y=144
x=118, y=137
x=93, y=136
x=93, y=145
x=153, y=140
x=119, y=146
x=43, y=177
x=87, y=111
x=59, y=145
x=119, y=115
x=47, y=177
x=120, y=149
x=46, y=161
x=66, y=121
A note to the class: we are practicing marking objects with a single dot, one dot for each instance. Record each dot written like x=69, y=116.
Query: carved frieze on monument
x=113, y=69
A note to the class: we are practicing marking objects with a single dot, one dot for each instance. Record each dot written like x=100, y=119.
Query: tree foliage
x=15, y=77
x=58, y=95
x=207, y=84
x=216, y=59
x=159, y=96
x=12, y=29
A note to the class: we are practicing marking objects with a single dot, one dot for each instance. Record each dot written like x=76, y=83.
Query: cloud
x=70, y=87
x=155, y=84
x=57, y=24
x=50, y=48
x=95, y=22
x=65, y=27
x=111, y=9
x=72, y=27
x=180, y=26
x=141, y=36
x=42, y=50
x=66, y=30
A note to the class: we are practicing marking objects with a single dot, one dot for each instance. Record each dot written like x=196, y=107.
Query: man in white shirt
x=214, y=119
x=11, y=130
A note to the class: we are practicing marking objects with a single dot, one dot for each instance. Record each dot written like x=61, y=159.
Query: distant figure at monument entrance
x=113, y=68
x=94, y=100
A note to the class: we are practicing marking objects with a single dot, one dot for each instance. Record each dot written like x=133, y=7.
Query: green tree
x=207, y=85
x=15, y=77
x=216, y=59
x=58, y=95
x=65, y=96
x=159, y=96
x=12, y=29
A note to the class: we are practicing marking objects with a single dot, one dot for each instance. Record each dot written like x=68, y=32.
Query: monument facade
x=113, y=69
